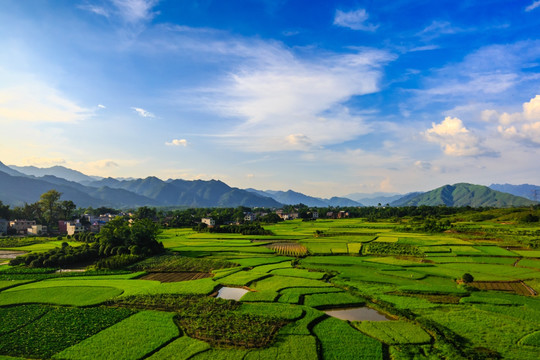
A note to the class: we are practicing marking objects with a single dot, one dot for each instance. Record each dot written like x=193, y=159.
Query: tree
x=50, y=205
x=67, y=207
x=467, y=278
x=4, y=211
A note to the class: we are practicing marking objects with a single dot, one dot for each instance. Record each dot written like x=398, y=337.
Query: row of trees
x=47, y=210
x=118, y=241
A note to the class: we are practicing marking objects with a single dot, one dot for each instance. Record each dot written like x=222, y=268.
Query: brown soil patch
x=175, y=276
x=516, y=287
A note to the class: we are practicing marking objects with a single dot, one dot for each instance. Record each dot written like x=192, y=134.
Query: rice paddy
x=286, y=279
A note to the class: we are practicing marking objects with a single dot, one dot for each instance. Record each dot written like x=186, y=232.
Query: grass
x=132, y=338
x=276, y=283
x=290, y=347
x=340, y=341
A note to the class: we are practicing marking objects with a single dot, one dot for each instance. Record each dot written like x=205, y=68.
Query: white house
x=74, y=228
x=209, y=221
x=37, y=230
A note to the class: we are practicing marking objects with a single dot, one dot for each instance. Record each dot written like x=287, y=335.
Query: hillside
x=18, y=190
x=463, y=194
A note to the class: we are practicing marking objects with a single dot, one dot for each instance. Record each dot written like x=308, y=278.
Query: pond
x=230, y=293
x=358, y=314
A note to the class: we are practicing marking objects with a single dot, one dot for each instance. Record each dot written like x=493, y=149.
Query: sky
x=323, y=97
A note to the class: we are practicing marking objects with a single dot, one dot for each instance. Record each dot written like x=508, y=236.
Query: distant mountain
x=58, y=171
x=531, y=192
x=197, y=193
x=405, y=198
x=17, y=190
x=292, y=198
x=6, y=169
x=464, y=195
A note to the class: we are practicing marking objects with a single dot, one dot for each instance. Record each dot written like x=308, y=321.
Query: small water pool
x=230, y=293
x=358, y=314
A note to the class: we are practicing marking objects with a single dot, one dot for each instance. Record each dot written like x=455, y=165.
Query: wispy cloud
x=478, y=76
x=37, y=102
x=131, y=11
x=136, y=10
x=98, y=10
x=143, y=113
x=438, y=28
x=355, y=20
x=177, y=142
x=288, y=103
x=533, y=6
x=101, y=106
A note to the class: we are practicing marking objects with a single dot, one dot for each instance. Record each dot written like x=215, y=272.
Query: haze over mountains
x=25, y=184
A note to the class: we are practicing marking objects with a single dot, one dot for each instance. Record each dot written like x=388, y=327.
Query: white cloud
x=524, y=125
x=102, y=164
x=484, y=75
x=454, y=138
x=533, y=6
x=287, y=103
x=36, y=102
x=355, y=20
x=143, y=113
x=98, y=10
x=136, y=10
x=177, y=142
x=101, y=106
x=43, y=161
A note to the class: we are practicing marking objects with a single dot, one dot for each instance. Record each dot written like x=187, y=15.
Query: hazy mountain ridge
x=531, y=192
x=58, y=171
x=291, y=197
x=17, y=188
x=463, y=194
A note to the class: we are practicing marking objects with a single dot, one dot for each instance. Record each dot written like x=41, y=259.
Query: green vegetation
x=395, y=265
x=340, y=341
x=58, y=329
x=394, y=332
x=142, y=332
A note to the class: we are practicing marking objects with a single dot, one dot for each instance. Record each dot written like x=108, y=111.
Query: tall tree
x=50, y=205
x=67, y=207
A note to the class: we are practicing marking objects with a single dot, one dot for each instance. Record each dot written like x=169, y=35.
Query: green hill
x=463, y=194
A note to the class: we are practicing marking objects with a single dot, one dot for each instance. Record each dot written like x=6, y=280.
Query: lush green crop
x=18, y=316
x=177, y=263
x=394, y=332
x=332, y=300
x=132, y=338
x=58, y=329
x=531, y=339
x=266, y=296
x=286, y=348
x=276, y=283
x=340, y=341
x=301, y=273
x=391, y=248
x=61, y=295
x=182, y=348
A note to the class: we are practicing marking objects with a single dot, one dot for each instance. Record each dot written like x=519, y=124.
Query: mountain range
x=25, y=184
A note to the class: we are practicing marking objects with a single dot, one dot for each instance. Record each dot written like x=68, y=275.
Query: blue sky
x=323, y=97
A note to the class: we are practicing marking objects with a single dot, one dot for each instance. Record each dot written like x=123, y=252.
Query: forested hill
x=18, y=190
x=463, y=194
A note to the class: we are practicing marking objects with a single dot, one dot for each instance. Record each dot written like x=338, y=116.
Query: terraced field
x=162, y=307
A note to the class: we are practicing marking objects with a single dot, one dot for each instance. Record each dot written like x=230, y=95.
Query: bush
x=467, y=278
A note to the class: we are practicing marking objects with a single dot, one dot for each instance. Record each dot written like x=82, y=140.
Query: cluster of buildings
x=30, y=227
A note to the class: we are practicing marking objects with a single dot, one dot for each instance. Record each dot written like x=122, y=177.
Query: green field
x=411, y=276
